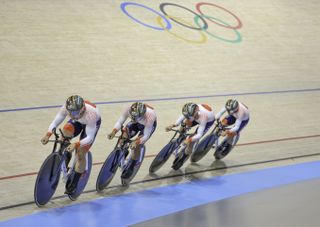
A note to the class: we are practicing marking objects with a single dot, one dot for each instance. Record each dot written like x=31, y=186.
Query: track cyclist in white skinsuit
x=85, y=120
x=143, y=120
x=238, y=114
x=194, y=114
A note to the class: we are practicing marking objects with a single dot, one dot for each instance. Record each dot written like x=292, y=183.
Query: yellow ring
x=204, y=37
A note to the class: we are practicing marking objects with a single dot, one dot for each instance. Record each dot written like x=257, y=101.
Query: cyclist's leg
x=141, y=134
x=191, y=146
x=229, y=120
x=231, y=139
x=137, y=151
x=131, y=130
x=81, y=152
x=71, y=129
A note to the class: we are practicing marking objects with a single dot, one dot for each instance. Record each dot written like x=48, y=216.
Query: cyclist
x=85, y=120
x=238, y=114
x=194, y=114
x=143, y=120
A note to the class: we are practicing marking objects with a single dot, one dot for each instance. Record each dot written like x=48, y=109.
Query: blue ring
x=123, y=8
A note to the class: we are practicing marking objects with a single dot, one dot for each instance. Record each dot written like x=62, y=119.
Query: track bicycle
x=211, y=141
x=173, y=147
x=55, y=164
x=119, y=158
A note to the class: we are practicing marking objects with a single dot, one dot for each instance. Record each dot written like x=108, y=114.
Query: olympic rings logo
x=201, y=21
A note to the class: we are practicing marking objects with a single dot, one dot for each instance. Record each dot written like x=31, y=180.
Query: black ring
x=162, y=5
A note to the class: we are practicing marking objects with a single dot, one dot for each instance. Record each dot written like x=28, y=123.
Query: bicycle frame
x=217, y=132
x=64, y=143
x=125, y=146
x=182, y=136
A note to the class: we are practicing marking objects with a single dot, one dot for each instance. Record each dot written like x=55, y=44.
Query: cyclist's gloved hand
x=71, y=147
x=45, y=139
x=112, y=134
x=168, y=128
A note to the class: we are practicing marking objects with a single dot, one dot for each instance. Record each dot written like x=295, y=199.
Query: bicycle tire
x=46, y=183
x=203, y=148
x=107, y=171
x=83, y=180
x=162, y=157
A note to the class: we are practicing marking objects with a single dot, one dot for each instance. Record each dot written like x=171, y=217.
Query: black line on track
x=171, y=176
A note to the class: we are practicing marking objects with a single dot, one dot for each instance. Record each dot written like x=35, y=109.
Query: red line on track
x=278, y=140
x=150, y=156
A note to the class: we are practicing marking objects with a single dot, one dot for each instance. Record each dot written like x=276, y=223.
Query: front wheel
x=108, y=170
x=203, y=148
x=83, y=179
x=47, y=179
x=162, y=157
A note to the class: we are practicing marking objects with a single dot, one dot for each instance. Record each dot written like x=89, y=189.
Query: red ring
x=226, y=26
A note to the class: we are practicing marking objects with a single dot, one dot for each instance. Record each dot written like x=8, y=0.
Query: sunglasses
x=76, y=113
x=233, y=111
x=134, y=116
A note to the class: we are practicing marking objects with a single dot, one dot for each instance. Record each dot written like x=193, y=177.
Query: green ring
x=237, y=40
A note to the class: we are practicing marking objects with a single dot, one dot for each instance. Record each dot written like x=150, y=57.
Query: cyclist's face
x=191, y=117
x=186, y=116
x=135, y=116
x=234, y=111
x=76, y=115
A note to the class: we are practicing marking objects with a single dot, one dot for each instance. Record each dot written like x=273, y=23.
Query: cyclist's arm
x=241, y=116
x=222, y=111
x=236, y=125
x=180, y=120
x=147, y=129
x=199, y=134
x=121, y=120
x=61, y=115
x=91, y=130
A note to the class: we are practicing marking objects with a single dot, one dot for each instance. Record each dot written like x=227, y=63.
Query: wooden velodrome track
x=50, y=50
